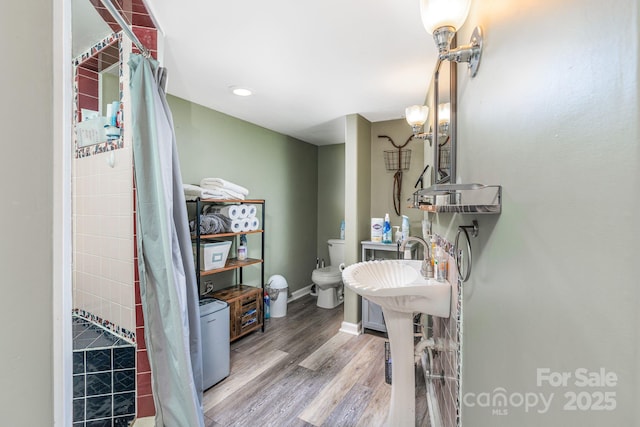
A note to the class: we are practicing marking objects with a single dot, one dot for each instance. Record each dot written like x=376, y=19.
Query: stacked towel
x=232, y=190
x=193, y=192
x=212, y=223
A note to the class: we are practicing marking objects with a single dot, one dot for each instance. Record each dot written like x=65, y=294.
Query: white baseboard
x=351, y=328
x=300, y=293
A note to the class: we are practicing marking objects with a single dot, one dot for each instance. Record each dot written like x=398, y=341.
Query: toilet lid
x=327, y=272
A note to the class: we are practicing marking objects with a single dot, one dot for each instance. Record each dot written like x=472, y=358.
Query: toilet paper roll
x=243, y=211
x=230, y=211
x=236, y=225
x=246, y=225
x=251, y=211
x=255, y=224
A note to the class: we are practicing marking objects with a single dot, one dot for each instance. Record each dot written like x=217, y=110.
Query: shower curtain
x=165, y=259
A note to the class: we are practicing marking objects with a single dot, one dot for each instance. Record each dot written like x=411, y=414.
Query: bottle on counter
x=441, y=262
x=386, y=230
x=406, y=229
x=242, y=248
x=267, y=305
x=342, y=230
x=433, y=251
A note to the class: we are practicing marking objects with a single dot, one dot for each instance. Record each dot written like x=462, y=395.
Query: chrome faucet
x=426, y=270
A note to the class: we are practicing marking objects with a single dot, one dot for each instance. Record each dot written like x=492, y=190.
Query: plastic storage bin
x=213, y=253
x=277, y=288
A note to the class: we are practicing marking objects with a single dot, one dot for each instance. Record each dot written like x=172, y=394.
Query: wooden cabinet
x=245, y=302
x=245, y=308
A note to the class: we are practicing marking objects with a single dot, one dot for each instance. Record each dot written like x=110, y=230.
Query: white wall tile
x=103, y=237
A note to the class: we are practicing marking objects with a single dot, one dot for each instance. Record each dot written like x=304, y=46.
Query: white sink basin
x=398, y=285
x=399, y=288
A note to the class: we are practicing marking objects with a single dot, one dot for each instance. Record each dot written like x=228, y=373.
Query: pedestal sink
x=399, y=288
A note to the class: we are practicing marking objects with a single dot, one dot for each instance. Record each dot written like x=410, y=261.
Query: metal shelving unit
x=232, y=263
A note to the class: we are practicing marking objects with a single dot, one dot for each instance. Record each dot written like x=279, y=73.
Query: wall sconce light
x=417, y=115
x=444, y=115
x=443, y=18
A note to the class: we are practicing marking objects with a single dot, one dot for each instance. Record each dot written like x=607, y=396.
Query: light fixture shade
x=417, y=114
x=443, y=13
x=444, y=113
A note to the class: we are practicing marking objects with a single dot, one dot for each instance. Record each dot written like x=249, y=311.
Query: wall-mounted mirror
x=96, y=53
x=109, y=81
x=98, y=95
x=444, y=152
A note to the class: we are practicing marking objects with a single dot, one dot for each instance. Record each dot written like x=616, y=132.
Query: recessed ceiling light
x=241, y=91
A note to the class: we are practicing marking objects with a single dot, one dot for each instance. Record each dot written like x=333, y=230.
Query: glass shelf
x=460, y=198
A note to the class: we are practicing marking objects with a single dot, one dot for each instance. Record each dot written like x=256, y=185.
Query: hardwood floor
x=303, y=372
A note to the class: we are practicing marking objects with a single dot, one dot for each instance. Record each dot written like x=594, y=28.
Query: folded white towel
x=216, y=183
x=192, y=192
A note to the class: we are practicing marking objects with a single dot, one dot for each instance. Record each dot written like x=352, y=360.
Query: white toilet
x=328, y=280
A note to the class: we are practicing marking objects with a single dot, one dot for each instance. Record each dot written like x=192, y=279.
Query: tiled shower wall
x=447, y=334
x=103, y=237
x=106, y=283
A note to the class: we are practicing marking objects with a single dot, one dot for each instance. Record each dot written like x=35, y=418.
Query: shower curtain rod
x=125, y=28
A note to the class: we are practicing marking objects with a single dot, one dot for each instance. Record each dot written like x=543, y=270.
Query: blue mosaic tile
x=98, y=360
x=105, y=339
x=124, y=380
x=78, y=362
x=99, y=407
x=99, y=383
x=78, y=386
x=124, y=404
x=78, y=409
x=124, y=357
x=99, y=423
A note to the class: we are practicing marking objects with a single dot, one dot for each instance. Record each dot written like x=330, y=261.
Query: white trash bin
x=277, y=289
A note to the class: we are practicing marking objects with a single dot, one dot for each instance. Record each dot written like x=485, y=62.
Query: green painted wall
x=26, y=309
x=330, y=195
x=274, y=167
x=357, y=201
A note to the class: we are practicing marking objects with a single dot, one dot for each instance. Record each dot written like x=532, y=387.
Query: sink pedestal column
x=402, y=411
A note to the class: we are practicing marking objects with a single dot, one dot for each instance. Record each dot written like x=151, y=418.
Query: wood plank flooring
x=303, y=372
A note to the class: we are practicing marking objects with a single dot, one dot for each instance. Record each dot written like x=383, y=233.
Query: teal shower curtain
x=165, y=258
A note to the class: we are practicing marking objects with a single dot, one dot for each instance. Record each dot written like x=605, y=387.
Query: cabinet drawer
x=249, y=299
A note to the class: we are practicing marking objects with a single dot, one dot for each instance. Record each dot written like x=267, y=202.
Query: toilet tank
x=336, y=251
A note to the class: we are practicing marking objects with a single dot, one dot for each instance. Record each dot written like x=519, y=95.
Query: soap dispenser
x=398, y=234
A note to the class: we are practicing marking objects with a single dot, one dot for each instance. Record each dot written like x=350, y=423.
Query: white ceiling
x=309, y=63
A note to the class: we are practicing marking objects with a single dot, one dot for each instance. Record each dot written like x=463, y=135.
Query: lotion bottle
x=405, y=227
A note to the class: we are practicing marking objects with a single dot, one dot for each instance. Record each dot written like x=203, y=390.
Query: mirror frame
x=453, y=100
x=87, y=68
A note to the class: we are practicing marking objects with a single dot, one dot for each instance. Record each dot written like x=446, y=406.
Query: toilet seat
x=327, y=273
x=327, y=277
